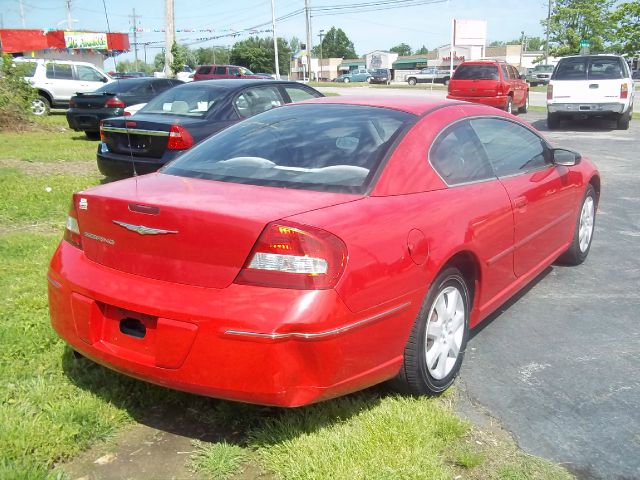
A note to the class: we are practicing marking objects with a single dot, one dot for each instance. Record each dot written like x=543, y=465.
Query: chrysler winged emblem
x=142, y=230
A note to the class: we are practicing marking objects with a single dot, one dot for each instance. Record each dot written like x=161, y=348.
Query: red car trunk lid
x=184, y=230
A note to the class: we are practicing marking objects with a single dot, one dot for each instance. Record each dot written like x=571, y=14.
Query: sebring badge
x=142, y=230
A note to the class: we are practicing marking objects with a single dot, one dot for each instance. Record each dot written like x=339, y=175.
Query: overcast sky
x=427, y=24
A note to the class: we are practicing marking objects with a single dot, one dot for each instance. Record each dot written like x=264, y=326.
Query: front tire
x=585, y=225
x=435, y=349
x=412, y=81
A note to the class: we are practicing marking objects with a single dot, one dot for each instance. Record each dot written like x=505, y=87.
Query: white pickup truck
x=591, y=85
x=429, y=75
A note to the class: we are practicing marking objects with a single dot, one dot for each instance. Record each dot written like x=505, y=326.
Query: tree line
x=610, y=26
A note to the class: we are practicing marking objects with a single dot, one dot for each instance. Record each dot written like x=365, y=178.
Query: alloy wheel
x=445, y=330
x=585, y=230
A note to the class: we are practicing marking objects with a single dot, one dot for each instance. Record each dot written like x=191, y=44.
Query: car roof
x=232, y=83
x=410, y=104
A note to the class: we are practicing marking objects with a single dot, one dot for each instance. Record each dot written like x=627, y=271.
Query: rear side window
x=314, y=146
x=458, y=157
x=589, y=68
x=59, y=71
x=476, y=72
x=220, y=71
x=204, y=70
x=298, y=94
x=511, y=148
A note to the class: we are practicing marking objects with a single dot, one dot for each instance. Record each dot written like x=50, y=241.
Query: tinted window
x=511, y=148
x=162, y=85
x=298, y=94
x=458, y=157
x=204, y=70
x=505, y=72
x=220, y=71
x=234, y=71
x=257, y=100
x=59, y=71
x=192, y=101
x=476, y=72
x=513, y=73
x=121, y=86
x=319, y=147
x=589, y=68
x=87, y=74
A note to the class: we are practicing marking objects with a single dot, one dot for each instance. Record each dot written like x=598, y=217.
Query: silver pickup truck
x=429, y=75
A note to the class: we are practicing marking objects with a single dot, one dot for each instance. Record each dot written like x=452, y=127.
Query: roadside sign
x=584, y=44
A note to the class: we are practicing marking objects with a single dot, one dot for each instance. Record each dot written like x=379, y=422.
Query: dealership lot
x=559, y=367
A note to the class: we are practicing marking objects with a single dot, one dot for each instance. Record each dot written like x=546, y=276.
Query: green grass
x=220, y=460
x=54, y=142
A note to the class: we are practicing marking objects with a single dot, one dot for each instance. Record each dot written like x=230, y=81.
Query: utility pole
x=275, y=38
x=321, y=34
x=307, y=15
x=135, y=37
x=521, y=47
x=24, y=25
x=169, y=37
x=546, y=45
x=69, y=25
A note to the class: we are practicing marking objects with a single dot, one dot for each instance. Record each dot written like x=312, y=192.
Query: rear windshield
x=476, y=72
x=316, y=147
x=589, y=68
x=120, y=86
x=190, y=101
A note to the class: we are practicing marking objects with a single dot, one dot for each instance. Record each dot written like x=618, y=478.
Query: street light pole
x=321, y=34
x=275, y=38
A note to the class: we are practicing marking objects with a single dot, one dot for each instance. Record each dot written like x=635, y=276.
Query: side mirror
x=104, y=80
x=564, y=157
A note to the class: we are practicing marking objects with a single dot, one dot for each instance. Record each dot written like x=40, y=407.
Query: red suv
x=214, y=72
x=491, y=82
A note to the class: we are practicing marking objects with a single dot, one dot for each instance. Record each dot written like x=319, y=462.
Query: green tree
x=211, y=55
x=16, y=95
x=257, y=54
x=132, y=66
x=179, y=59
x=294, y=43
x=403, y=49
x=186, y=55
x=534, y=43
x=626, y=33
x=336, y=44
x=575, y=20
x=422, y=50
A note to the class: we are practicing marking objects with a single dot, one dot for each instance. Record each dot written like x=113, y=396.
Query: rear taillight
x=179, y=138
x=114, y=102
x=102, y=130
x=624, y=91
x=549, y=92
x=72, y=230
x=295, y=256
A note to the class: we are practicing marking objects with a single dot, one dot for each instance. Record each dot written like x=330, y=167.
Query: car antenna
x=115, y=69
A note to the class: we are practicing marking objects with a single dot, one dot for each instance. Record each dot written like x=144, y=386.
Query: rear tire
x=41, y=106
x=553, y=121
x=92, y=135
x=347, y=80
x=623, y=121
x=509, y=106
x=446, y=82
x=435, y=349
x=585, y=226
x=412, y=81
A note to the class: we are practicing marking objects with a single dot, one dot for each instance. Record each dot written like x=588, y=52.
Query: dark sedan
x=87, y=109
x=380, y=76
x=183, y=116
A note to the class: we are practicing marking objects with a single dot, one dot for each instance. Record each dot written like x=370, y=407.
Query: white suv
x=58, y=80
x=590, y=85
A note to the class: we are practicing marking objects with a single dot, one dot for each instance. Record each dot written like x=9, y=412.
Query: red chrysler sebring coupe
x=319, y=248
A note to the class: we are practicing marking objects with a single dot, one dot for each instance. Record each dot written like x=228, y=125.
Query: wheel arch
x=469, y=265
x=46, y=94
x=594, y=181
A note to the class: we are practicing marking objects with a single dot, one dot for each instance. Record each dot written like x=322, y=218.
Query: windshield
x=543, y=68
x=191, y=101
x=476, y=72
x=317, y=147
x=381, y=71
x=589, y=68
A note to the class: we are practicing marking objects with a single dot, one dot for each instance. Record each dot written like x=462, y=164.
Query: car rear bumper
x=252, y=344
x=580, y=109
x=89, y=120
x=119, y=165
x=498, y=102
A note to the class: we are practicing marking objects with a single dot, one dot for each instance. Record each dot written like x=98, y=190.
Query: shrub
x=16, y=95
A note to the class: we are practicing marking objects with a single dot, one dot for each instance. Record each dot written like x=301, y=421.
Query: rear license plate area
x=129, y=330
x=86, y=121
